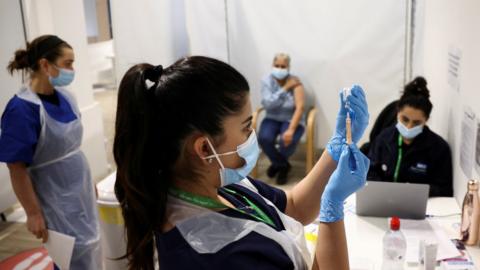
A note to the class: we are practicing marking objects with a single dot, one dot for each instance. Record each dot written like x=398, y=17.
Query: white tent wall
x=364, y=44
x=452, y=24
x=206, y=26
x=11, y=26
x=149, y=31
x=333, y=44
x=418, y=29
x=67, y=20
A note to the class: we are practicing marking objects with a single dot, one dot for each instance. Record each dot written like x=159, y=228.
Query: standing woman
x=40, y=138
x=184, y=147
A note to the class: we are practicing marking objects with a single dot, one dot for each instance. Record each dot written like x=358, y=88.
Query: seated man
x=409, y=151
x=283, y=100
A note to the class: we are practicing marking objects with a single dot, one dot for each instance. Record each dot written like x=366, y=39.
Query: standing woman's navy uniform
x=43, y=132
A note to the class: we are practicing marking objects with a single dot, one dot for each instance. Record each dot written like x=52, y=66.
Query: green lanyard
x=260, y=215
x=196, y=199
x=213, y=204
x=399, y=158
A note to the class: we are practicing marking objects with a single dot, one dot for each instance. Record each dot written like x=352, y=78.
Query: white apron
x=61, y=178
x=207, y=231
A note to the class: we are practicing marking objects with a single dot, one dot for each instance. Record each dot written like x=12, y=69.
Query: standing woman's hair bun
x=19, y=61
x=417, y=87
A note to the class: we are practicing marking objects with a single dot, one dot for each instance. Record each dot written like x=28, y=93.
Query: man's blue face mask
x=249, y=151
x=409, y=133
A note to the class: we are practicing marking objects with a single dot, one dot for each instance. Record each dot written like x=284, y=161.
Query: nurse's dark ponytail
x=416, y=95
x=46, y=46
x=134, y=152
x=157, y=109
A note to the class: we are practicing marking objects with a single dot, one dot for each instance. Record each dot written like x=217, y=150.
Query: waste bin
x=111, y=225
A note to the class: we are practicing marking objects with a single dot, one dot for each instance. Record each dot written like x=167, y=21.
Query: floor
x=14, y=236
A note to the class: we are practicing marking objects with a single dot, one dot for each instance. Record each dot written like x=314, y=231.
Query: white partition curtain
x=11, y=26
x=147, y=31
x=332, y=44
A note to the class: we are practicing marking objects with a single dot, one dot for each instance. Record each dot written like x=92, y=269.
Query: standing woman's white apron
x=61, y=178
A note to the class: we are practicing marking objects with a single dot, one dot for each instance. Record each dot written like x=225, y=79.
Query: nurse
x=184, y=147
x=40, y=141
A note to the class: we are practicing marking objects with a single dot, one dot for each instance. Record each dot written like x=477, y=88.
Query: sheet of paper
x=429, y=230
x=60, y=248
x=467, y=143
x=477, y=151
x=454, y=63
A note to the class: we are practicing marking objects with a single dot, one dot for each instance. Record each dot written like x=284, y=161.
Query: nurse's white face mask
x=249, y=151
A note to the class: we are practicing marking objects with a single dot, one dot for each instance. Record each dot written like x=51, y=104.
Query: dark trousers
x=267, y=138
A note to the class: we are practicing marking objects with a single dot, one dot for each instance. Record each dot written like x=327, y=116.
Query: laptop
x=386, y=199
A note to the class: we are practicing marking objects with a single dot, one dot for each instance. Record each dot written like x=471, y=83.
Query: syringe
x=348, y=121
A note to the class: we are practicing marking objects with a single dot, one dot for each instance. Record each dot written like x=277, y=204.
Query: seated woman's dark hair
x=416, y=95
x=157, y=109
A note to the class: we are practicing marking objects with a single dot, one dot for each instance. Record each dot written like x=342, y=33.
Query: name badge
x=419, y=168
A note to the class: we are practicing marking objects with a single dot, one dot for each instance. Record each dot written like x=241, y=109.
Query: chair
x=309, y=133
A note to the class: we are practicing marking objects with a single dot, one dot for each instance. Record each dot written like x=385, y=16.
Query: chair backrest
x=310, y=99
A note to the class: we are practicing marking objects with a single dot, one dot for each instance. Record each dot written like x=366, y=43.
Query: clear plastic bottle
x=394, y=247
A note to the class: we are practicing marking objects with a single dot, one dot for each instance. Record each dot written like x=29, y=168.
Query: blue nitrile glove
x=343, y=182
x=358, y=113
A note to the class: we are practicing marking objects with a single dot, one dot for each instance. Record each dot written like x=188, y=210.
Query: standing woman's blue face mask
x=64, y=65
x=64, y=78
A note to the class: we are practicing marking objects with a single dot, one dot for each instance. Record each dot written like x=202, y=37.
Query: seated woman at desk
x=410, y=151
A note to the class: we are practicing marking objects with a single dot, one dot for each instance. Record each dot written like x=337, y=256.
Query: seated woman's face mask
x=409, y=133
x=279, y=73
x=249, y=151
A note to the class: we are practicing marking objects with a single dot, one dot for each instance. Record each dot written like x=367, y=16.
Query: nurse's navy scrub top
x=20, y=125
x=253, y=251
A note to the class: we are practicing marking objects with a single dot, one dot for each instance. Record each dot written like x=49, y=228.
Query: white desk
x=365, y=234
